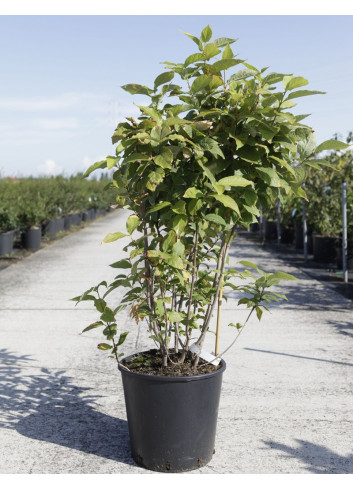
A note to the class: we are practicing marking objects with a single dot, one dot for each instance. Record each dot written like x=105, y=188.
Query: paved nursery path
x=286, y=404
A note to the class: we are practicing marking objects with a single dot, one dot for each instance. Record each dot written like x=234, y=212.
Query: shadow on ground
x=309, y=294
x=317, y=458
x=49, y=407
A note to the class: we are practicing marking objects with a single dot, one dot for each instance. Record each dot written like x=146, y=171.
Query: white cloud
x=50, y=168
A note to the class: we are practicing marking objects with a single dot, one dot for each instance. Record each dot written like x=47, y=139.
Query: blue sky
x=61, y=99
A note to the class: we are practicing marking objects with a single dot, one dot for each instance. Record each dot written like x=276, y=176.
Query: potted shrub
x=31, y=214
x=191, y=170
x=8, y=223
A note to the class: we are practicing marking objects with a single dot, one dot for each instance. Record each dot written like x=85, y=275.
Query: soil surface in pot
x=150, y=363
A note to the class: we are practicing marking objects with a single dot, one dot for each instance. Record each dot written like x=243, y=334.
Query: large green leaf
x=235, y=181
x=132, y=223
x=216, y=218
x=193, y=58
x=200, y=83
x=331, y=144
x=135, y=88
x=303, y=93
x=211, y=50
x=290, y=82
x=158, y=207
x=206, y=34
x=224, y=64
x=227, y=201
x=163, y=78
x=192, y=193
x=179, y=223
x=223, y=41
x=269, y=176
x=110, y=237
x=121, y=264
x=98, y=164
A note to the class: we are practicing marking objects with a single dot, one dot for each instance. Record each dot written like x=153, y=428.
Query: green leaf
x=179, y=223
x=98, y=164
x=154, y=114
x=163, y=78
x=179, y=207
x=111, y=161
x=211, y=50
x=284, y=164
x=132, y=222
x=227, y=201
x=100, y=305
x=235, y=181
x=136, y=157
x=216, y=219
x=227, y=53
x=192, y=193
x=223, y=41
x=97, y=324
x=224, y=64
x=169, y=240
x=303, y=93
x=206, y=34
x=253, y=210
x=107, y=316
x=179, y=248
x=209, y=144
x=307, y=146
x=270, y=176
x=249, y=264
x=250, y=153
x=200, y=83
x=134, y=88
x=121, y=264
x=259, y=313
x=333, y=144
x=104, y=346
x=290, y=82
x=193, y=58
x=242, y=75
x=164, y=159
x=122, y=338
x=195, y=39
x=158, y=207
x=175, y=316
x=110, y=237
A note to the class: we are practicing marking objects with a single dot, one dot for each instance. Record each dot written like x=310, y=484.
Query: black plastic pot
x=31, y=239
x=76, y=219
x=324, y=249
x=67, y=222
x=6, y=242
x=271, y=230
x=172, y=420
x=61, y=224
x=51, y=227
x=287, y=235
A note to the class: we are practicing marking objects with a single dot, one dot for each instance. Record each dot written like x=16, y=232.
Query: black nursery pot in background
x=31, y=239
x=324, y=249
x=172, y=420
x=6, y=242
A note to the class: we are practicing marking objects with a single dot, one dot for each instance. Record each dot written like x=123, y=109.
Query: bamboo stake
x=219, y=311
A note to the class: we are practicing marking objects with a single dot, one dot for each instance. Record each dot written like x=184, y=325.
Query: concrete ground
x=286, y=403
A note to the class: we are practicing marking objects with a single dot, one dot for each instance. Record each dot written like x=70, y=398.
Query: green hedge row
x=30, y=202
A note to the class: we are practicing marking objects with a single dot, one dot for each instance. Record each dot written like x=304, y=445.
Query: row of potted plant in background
x=323, y=211
x=33, y=207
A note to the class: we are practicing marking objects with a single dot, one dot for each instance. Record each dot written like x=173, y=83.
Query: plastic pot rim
x=168, y=378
